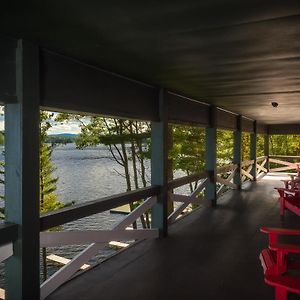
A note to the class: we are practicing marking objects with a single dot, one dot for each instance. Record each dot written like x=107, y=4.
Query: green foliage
x=60, y=139
x=224, y=147
x=109, y=131
x=260, y=146
x=1, y=138
x=188, y=148
x=127, y=141
x=285, y=145
x=48, y=198
x=245, y=155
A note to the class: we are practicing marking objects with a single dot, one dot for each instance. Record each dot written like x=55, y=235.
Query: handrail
x=260, y=158
x=186, y=179
x=226, y=168
x=246, y=163
x=284, y=156
x=82, y=210
x=8, y=232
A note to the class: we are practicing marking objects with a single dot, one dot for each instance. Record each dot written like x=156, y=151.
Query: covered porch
x=209, y=254
x=231, y=65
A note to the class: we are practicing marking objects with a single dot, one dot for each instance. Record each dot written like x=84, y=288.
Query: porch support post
x=22, y=176
x=237, y=138
x=159, y=166
x=211, y=157
x=253, y=146
x=267, y=149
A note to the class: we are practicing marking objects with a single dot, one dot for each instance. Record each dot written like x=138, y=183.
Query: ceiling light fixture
x=274, y=104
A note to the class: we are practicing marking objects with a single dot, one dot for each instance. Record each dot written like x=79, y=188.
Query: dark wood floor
x=211, y=254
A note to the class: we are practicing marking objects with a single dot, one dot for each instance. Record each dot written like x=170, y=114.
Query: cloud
x=70, y=127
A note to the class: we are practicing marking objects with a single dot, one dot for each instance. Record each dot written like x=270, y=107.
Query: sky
x=70, y=127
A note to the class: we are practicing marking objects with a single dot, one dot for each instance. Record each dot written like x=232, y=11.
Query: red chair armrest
x=280, y=231
x=274, y=233
x=285, y=248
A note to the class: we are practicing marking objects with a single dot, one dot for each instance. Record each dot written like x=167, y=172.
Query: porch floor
x=210, y=254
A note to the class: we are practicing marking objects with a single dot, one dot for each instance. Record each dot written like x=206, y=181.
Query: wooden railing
x=78, y=211
x=283, y=160
x=224, y=176
x=9, y=233
x=99, y=239
x=186, y=200
x=260, y=166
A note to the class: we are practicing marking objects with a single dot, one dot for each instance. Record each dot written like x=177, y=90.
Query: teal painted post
x=253, y=150
x=22, y=176
x=211, y=157
x=267, y=150
x=237, y=152
x=159, y=166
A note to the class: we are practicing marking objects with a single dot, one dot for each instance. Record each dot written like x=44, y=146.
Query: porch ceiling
x=238, y=55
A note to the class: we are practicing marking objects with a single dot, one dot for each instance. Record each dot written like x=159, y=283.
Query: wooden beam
x=211, y=157
x=225, y=119
x=246, y=174
x=282, y=162
x=159, y=168
x=226, y=182
x=253, y=150
x=7, y=71
x=78, y=237
x=284, y=129
x=185, y=110
x=6, y=251
x=22, y=176
x=285, y=156
x=247, y=125
x=70, y=85
x=8, y=233
x=261, y=128
x=267, y=150
x=78, y=211
x=237, y=137
x=226, y=168
x=261, y=168
x=186, y=179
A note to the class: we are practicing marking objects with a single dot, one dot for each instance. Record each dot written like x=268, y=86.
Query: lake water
x=84, y=175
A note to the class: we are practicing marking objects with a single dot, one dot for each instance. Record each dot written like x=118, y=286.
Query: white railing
x=260, y=166
x=224, y=176
x=185, y=201
x=6, y=251
x=98, y=240
x=287, y=165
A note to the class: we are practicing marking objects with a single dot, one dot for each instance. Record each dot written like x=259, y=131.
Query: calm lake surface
x=84, y=175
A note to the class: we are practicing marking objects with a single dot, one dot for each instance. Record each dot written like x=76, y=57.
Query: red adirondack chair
x=298, y=169
x=289, y=198
x=277, y=264
x=294, y=182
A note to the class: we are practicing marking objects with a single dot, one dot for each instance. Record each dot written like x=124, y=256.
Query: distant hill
x=61, y=138
x=63, y=135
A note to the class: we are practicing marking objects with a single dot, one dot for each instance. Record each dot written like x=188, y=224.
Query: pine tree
x=48, y=198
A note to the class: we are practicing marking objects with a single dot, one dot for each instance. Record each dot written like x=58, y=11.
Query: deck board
x=211, y=254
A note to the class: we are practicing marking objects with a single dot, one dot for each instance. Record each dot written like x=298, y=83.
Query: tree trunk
x=126, y=168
